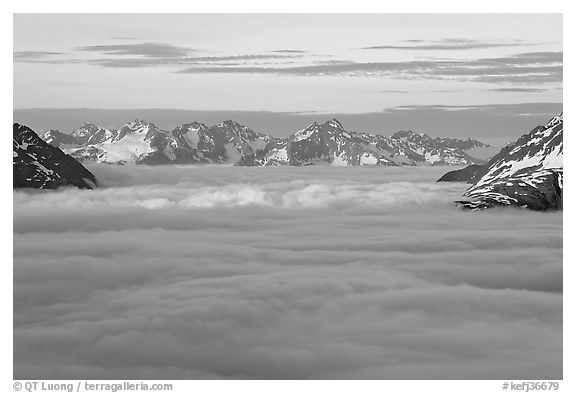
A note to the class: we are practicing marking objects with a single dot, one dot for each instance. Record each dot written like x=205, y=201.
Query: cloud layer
x=524, y=68
x=449, y=44
x=529, y=68
x=262, y=273
x=146, y=49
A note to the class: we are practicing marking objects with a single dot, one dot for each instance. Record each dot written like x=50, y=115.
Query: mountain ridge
x=527, y=173
x=229, y=142
x=37, y=164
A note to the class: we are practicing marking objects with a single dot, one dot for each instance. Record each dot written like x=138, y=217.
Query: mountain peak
x=409, y=134
x=310, y=127
x=334, y=123
x=403, y=134
x=37, y=164
x=231, y=124
x=23, y=132
x=305, y=133
x=527, y=173
x=85, y=130
x=137, y=123
x=87, y=126
x=193, y=125
x=555, y=120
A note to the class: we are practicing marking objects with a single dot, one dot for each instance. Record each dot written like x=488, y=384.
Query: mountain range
x=140, y=142
x=527, y=173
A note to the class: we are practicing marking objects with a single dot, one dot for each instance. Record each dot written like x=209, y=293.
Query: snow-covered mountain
x=226, y=142
x=37, y=164
x=319, y=143
x=527, y=173
x=330, y=143
x=59, y=139
x=129, y=144
x=139, y=142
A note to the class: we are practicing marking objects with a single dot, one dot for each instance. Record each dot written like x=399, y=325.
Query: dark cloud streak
x=33, y=55
x=518, y=90
x=147, y=49
x=533, y=68
x=527, y=68
x=184, y=61
x=289, y=51
x=449, y=44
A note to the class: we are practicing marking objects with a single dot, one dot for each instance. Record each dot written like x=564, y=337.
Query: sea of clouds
x=280, y=273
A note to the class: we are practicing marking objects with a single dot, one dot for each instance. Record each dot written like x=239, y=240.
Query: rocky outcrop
x=539, y=190
x=527, y=173
x=468, y=174
x=37, y=164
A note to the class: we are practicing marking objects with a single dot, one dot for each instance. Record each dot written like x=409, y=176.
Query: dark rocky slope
x=527, y=173
x=467, y=174
x=37, y=164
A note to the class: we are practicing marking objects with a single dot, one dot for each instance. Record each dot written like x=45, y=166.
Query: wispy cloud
x=527, y=68
x=495, y=110
x=217, y=61
x=146, y=49
x=288, y=51
x=518, y=90
x=28, y=55
x=448, y=44
x=241, y=57
x=152, y=55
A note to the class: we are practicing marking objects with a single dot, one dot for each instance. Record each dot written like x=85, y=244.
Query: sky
x=311, y=273
x=287, y=63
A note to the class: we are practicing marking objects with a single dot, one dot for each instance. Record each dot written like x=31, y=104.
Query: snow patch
x=368, y=159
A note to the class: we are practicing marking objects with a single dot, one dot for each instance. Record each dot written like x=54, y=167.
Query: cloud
x=527, y=68
x=530, y=68
x=289, y=51
x=314, y=272
x=449, y=44
x=518, y=90
x=218, y=61
x=496, y=110
x=241, y=57
x=152, y=55
x=32, y=55
x=147, y=49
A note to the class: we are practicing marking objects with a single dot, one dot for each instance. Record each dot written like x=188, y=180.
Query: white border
x=356, y=6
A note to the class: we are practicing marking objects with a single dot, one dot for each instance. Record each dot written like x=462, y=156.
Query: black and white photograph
x=287, y=196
